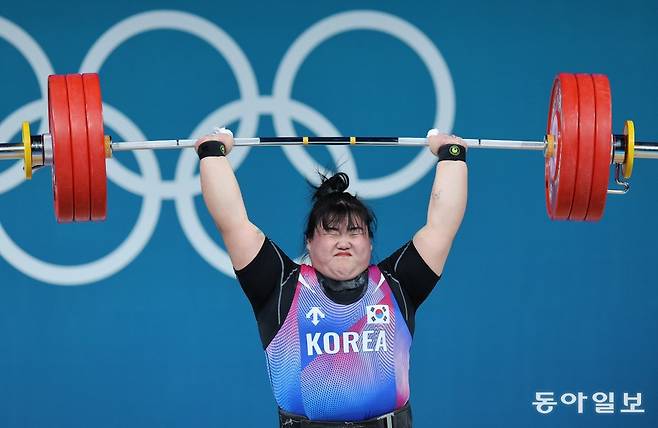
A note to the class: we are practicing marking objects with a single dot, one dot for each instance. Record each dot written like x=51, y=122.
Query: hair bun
x=337, y=183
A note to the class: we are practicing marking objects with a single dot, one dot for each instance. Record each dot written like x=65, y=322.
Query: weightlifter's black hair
x=332, y=205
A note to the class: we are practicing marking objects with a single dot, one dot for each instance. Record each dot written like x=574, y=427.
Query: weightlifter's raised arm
x=223, y=199
x=447, y=201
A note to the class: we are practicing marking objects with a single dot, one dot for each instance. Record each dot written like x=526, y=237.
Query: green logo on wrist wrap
x=455, y=150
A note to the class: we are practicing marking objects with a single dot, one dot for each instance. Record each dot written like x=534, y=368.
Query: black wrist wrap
x=453, y=152
x=211, y=148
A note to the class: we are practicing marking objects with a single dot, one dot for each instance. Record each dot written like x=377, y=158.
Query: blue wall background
x=158, y=334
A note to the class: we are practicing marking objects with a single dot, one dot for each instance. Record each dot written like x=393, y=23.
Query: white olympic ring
x=185, y=185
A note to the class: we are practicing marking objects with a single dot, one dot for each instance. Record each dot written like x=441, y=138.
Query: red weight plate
x=80, y=151
x=58, y=115
x=96, y=146
x=560, y=169
x=586, y=122
x=603, y=149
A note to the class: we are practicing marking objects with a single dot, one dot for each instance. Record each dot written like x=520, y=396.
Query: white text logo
x=350, y=341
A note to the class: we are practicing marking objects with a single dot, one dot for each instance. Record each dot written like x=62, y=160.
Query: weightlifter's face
x=341, y=252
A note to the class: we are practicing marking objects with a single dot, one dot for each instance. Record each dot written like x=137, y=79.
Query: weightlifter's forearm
x=221, y=193
x=448, y=199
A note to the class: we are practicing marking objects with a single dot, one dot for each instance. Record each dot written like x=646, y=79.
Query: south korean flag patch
x=378, y=314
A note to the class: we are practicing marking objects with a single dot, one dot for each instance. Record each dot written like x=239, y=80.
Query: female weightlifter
x=337, y=332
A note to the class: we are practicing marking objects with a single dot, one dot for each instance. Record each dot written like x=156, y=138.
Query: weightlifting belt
x=400, y=418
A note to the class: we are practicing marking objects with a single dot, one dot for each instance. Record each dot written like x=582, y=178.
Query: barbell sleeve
x=11, y=151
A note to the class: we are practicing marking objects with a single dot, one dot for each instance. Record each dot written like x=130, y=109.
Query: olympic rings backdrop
x=139, y=322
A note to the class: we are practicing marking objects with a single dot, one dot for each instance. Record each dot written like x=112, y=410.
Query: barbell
x=579, y=147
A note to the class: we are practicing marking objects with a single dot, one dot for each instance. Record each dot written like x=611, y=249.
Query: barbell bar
x=578, y=147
